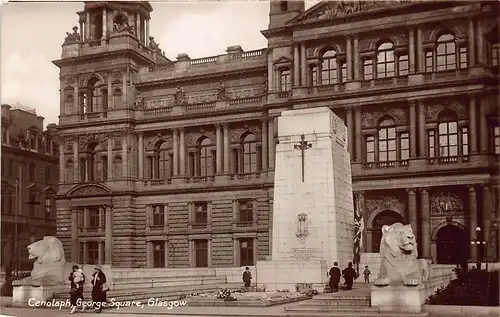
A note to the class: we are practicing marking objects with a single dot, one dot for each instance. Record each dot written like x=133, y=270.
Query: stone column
x=76, y=161
x=109, y=235
x=62, y=165
x=472, y=222
x=102, y=219
x=412, y=210
x=149, y=254
x=413, y=130
x=74, y=235
x=471, y=49
x=264, y=139
x=483, y=126
x=147, y=31
x=227, y=146
x=87, y=169
x=165, y=246
x=421, y=129
x=349, y=58
x=488, y=214
x=141, y=155
x=125, y=155
x=425, y=233
x=110, y=92
x=110, y=157
x=420, y=52
x=480, y=43
x=176, y=151
x=296, y=66
x=270, y=142
x=138, y=26
x=218, y=148
x=303, y=66
x=82, y=35
x=356, y=58
x=182, y=152
x=76, y=98
x=85, y=259
x=350, y=132
x=100, y=252
x=472, y=124
x=104, y=26
x=357, y=124
x=87, y=27
x=411, y=51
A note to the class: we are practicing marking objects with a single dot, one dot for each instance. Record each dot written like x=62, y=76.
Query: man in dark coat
x=99, y=289
x=247, y=277
x=349, y=275
x=334, y=277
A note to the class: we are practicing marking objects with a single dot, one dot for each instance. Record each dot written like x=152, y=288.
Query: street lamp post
x=478, y=241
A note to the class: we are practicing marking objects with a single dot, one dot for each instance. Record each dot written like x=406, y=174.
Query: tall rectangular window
x=403, y=65
x=314, y=76
x=48, y=206
x=428, y=62
x=496, y=139
x=200, y=214
x=245, y=210
x=201, y=253
x=463, y=56
x=344, y=73
x=368, y=69
x=370, y=149
x=432, y=143
x=158, y=253
x=246, y=252
x=93, y=252
x=32, y=205
x=158, y=215
x=404, y=145
x=495, y=54
x=285, y=80
x=93, y=217
x=32, y=171
x=465, y=141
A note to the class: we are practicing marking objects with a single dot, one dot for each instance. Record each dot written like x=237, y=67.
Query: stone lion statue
x=49, y=266
x=398, y=250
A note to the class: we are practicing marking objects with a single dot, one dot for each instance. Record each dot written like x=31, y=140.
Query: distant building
x=171, y=163
x=29, y=183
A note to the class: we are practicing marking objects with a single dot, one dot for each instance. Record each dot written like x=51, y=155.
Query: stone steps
x=355, y=314
x=166, y=281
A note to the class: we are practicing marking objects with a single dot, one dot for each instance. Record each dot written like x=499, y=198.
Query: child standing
x=367, y=273
x=247, y=277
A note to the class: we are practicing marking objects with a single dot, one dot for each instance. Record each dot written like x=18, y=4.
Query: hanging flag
x=358, y=230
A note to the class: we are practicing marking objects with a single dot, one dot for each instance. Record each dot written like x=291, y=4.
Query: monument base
x=23, y=295
x=399, y=298
x=280, y=275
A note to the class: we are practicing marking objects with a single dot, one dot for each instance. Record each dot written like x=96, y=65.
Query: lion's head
x=47, y=251
x=398, y=240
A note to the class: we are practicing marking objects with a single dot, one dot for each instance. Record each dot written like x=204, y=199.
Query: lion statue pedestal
x=49, y=271
x=402, y=284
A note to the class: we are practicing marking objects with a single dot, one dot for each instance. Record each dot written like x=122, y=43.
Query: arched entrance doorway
x=386, y=217
x=451, y=245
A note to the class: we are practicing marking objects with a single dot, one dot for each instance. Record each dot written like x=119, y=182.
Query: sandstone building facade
x=170, y=163
x=29, y=183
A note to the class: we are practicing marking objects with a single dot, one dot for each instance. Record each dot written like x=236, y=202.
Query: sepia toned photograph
x=250, y=158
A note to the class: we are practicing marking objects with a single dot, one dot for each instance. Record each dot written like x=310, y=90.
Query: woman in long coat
x=76, y=292
x=98, y=289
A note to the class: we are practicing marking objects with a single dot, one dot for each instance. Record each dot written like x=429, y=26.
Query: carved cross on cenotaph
x=302, y=146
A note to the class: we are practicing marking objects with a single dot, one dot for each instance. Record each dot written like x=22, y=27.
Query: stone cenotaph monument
x=313, y=215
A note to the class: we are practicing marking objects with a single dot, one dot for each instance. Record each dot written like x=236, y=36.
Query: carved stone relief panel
x=195, y=135
x=85, y=140
x=371, y=116
x=159, y=103
x=378, y=204
x=445, y=203
x=151, y=141
x=458, y=28
x=236, y=134
x=432, y=110
x=117, y=77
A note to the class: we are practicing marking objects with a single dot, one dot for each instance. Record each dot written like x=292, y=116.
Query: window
x=246, y=252
x=403, y=67
x=249, y=145
x=446, y=53
x=463, y=57
x=4, y=135
x=329, y=68
x=428, y=62
x=158, y=215
x=117, y=167
x=368, y=69
x=343, y=78
x=200, y=213
x=206, y=159
x=33, y=142
x=93, y=162
x=164, y=162
x=370, y=149
x=104, y=170
x=69, y=171
x=404, y=146
x=245, y=210
x=448, y=135
x=93, y=252
x=32, y=205
x=48, y=206
x=283, y=6
x=201, y=253
x=496, y=139
x=32, y=171
x=465, y=141
x=158, y=253
x=83, y=177
x=93, y=217
x=385, y=60
x=48, y=172
x=286, y=84
x=495, y=54
x=387, y=140
x=314, y=76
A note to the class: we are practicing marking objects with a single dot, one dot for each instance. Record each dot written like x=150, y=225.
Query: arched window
x=386, y=217
x=329, y=68
x=249, y=146
x=448, y=134
x=285, y=80
x=164, y=161
x=117, y=167
x=446, y=54
x=205, y=157
x=92, y=96
x=387, y=140
x=385, y=60
x=69, y=171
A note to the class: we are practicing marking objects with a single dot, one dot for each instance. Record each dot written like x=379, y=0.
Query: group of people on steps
x=349, y=274
x=99, y=289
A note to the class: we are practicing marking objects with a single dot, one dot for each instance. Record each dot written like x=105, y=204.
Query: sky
x=32, y=34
